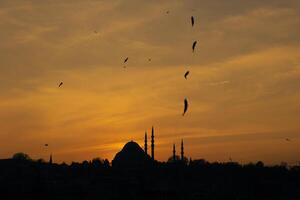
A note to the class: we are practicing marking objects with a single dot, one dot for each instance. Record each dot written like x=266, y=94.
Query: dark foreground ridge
x=135, y=175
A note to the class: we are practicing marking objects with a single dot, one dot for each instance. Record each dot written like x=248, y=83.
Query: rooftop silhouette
x=131, y=156
x=133, y=174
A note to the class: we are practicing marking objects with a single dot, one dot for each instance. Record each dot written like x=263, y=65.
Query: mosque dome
x=131, y=156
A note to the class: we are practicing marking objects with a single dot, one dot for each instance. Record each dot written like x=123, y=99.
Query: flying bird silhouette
x=126, y=59
x=192, y=20
x=149, y=59
x=60, y=84
x=46, y=145
x=287, y=139
x=194, y=45
x=186, y=74
x=185, y=106
x=168, y=12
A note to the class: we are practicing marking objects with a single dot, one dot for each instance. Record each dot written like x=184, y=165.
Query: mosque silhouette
x=133, y=156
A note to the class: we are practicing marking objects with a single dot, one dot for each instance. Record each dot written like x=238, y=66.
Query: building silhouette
x=131, y=156
x=146, y=145
x=182, y=151
x=174, y=153
x=152, y=143
x=50, y=159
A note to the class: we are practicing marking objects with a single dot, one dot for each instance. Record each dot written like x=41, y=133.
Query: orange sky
x=243, y=87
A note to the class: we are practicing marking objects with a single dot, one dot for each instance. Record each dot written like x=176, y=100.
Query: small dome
x=131, y=156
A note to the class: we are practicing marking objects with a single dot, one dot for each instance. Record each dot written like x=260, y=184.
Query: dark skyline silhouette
x=134, y=175
x=243, y=85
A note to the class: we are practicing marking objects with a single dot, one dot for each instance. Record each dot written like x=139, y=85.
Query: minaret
x=146, y=146
x=182, y=151
x=50, y=160
x=152, y=144
x=174, y=153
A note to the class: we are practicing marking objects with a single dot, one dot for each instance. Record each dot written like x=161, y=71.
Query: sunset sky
x=243, y=88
